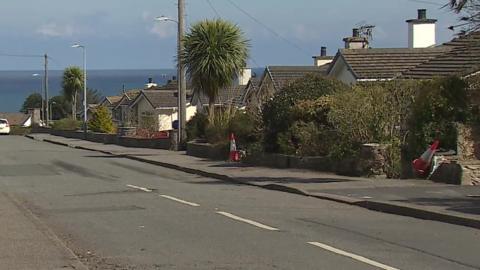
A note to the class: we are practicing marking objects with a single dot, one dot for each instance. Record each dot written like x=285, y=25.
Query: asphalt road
x=115, y=213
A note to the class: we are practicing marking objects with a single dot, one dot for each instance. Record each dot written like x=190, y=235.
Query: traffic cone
x=234, y=155
x=421, y=165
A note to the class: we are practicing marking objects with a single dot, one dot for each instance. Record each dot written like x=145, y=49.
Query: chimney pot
x=356, y=32
x=323, y=51
x=422, y=14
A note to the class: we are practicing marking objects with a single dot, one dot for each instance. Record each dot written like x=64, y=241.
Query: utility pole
x=182, y=82
x=47, y=114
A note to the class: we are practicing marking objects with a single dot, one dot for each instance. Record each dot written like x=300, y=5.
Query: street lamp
x=42, y=114
x=84, y=85
x=182, y=99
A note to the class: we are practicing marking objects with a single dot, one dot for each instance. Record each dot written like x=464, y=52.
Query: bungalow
x=159, y=106
x=17, y=119
x=422, y=59
x=121, y=111
x=275, y=78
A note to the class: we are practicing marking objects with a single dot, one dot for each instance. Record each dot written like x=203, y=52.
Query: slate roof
x=282, y=75
x=113, y=100
x=386, y=63
x=251, y=87
x=462, y=59
x=226, y=96
x=161, y=99
x=128, y=97
x=15, y=119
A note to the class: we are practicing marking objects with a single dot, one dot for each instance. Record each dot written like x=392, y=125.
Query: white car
x=4, y=127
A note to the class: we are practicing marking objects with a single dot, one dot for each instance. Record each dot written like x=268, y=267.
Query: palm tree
x=72, y=82
x=215, y=51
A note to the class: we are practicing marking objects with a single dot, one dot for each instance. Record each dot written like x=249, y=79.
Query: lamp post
x=84, y=85
x=42, y=114
x=182, y=97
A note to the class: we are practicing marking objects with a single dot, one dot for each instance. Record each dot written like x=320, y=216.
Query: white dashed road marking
x=251, y=222
x=140, y=188
x=353, y=256
x=179, y=200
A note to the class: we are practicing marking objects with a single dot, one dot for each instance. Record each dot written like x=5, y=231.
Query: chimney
x=323, y=51
x=421, y=31
x=244, y=76
x=323, y=58
x=356, y=41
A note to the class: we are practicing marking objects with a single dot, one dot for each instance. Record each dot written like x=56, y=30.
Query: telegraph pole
x=182, y=83
x=45, y=80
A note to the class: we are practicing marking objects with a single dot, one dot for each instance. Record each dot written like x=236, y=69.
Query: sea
x=15, y=86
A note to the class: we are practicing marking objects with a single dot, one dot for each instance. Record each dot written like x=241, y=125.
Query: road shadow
x=292, y=180
x=461, y=205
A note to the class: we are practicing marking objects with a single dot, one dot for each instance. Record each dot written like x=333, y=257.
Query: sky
x=122, y=34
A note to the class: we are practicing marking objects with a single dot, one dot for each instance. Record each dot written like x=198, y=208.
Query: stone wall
x=114, y=139
x=468, y=144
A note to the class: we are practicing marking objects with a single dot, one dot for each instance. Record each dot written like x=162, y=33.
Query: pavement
x=423, y=199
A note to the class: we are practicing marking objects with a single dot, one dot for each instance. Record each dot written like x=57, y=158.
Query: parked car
x=4, y=126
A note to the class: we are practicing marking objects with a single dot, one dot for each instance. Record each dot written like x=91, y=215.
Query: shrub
x=101, y=121
x=196, y=126
x=279, y=116
x=67, y=124
x=438, y=105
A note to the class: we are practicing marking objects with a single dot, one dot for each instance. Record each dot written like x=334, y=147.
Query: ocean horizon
x=16, y=85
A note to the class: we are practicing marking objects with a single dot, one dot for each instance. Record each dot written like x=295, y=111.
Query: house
x=110, y=102
x=160, y=108
x=275, y=78
x=232, y=95
x=121, y=111
x=357, y=62
x=17, y=119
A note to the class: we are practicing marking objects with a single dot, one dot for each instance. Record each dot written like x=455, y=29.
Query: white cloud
x=56, y=30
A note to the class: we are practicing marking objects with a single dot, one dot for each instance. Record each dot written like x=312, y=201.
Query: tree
x=215, y=51
x=72, y=83
x=101, y=121
x=470, y=20
x=32, y=101
x=60, y=107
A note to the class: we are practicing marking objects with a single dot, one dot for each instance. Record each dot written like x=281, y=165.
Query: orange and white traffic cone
x=421, y=165
x=234, y=155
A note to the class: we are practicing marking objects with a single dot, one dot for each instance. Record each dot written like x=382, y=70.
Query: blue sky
x=121, y=34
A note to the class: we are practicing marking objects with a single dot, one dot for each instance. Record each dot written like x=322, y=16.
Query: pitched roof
x=252, y=86
x=161, y=99
x=227, y=96
x=282, y=75
x=386, y=63
x=15, y=119
x=128, y=97
x=113, y=100
x=462, y=59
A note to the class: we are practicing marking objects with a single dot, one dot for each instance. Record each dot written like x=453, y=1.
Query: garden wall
x=163, y=143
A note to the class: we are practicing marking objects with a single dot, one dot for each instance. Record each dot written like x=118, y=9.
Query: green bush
x=196, y=126
x=101, y=121
x=438, y=105
x=279, y=115
x=67, y=124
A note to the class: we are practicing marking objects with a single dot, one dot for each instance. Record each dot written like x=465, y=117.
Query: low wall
x=114, y=139
x=206, y=150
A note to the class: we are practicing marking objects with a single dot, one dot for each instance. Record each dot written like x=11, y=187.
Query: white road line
x=353, y=256
x=251, y=222
x=179, y=200
x=140, y=188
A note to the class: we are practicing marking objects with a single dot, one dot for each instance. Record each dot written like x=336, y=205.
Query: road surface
x=115, y=213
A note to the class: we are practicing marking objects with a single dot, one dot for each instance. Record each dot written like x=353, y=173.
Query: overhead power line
x=213, y=8
x=269, y=29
